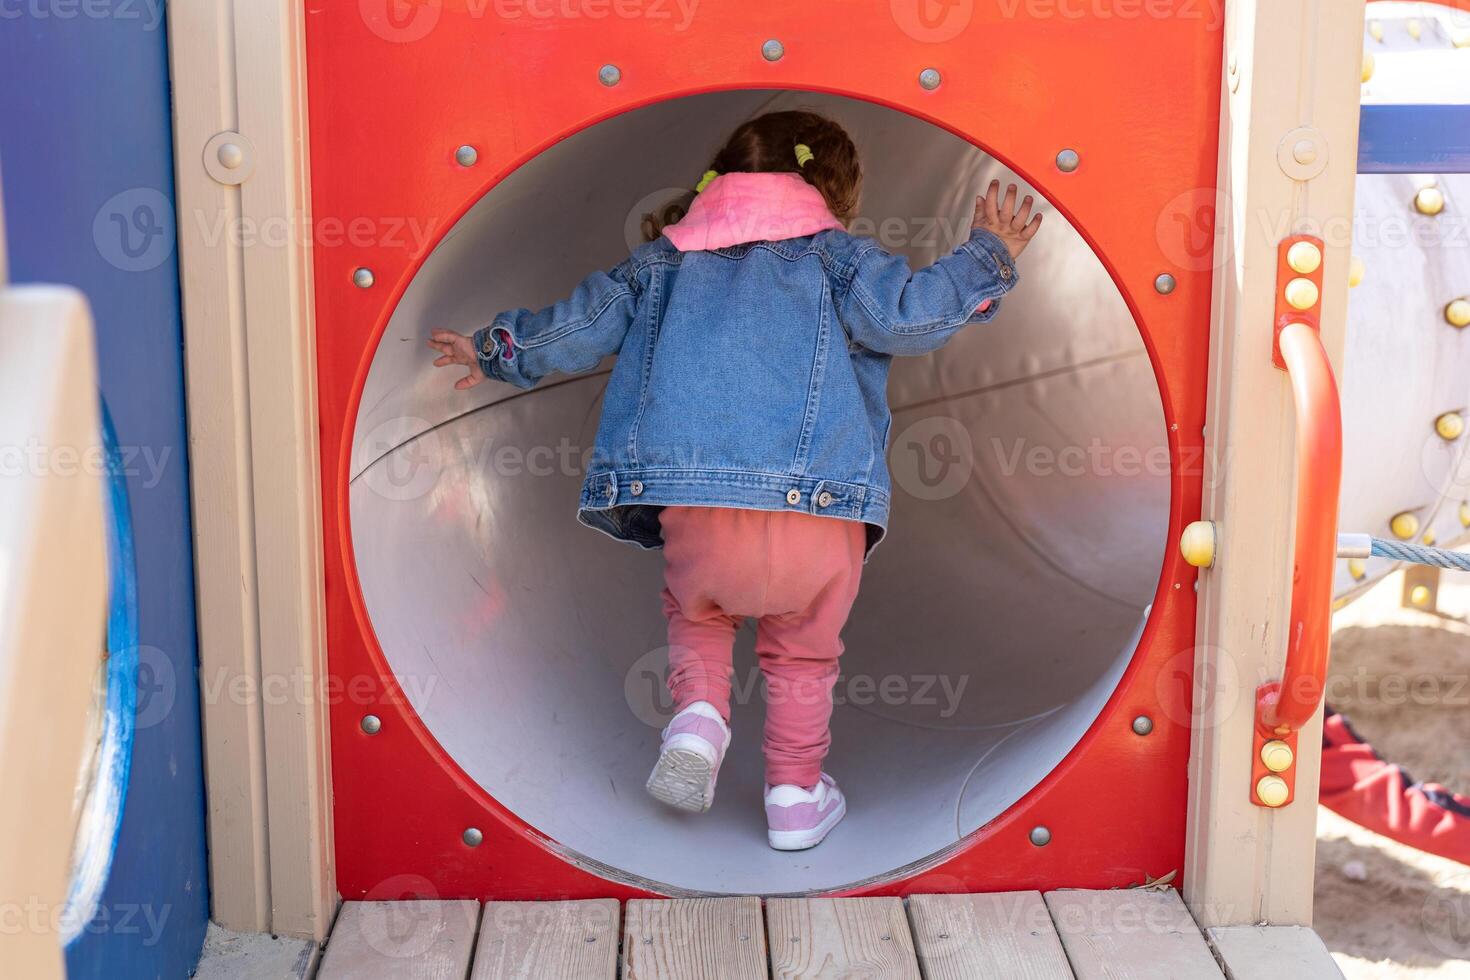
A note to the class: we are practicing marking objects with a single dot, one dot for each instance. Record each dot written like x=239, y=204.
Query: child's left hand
x=457, y=349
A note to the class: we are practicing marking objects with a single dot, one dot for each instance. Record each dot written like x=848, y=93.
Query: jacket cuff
x=986, y=248
x=488, y=348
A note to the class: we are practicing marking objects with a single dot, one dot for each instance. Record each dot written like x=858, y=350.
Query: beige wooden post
x=1292, y=75
x=244, y=241
x=53, y=608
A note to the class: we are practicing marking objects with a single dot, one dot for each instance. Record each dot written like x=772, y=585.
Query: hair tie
x=803, y=155
x=704, y=181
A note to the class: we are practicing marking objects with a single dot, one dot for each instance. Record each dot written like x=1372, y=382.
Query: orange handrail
x=1285, y=706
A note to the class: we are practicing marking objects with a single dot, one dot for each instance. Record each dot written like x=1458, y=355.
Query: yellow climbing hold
x=1358, y=569
x=1457, y=312
x=1404, y=526
x=1304, y=258
x=1429, y=200
x=1197, y=544
x=1302, y=294
x=1419, y=596
x=1272, y=790
x=1450, y=426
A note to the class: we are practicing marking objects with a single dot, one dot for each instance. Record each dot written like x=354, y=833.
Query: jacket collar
x=737, y=208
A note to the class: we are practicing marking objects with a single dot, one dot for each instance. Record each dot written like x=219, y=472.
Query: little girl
x=745, y=425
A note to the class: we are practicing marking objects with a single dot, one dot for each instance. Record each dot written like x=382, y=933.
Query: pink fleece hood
x=740, y=207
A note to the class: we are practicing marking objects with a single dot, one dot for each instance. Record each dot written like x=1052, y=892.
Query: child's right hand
x=457, y=349
x=1004, y=220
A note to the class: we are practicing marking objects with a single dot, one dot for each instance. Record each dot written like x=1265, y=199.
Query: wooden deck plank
x=1268, y=952
x=831, y=938
x=540, y=940
x=694, y=939
x=1130, y=934
x=412, y=940
x=1003, y=934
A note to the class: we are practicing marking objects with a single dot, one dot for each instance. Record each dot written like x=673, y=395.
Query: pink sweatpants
x=798, y=574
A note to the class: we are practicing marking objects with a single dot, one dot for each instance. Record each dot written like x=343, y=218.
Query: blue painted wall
x=86, y=164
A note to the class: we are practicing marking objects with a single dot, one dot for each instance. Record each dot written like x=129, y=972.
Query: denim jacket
x=750, y=376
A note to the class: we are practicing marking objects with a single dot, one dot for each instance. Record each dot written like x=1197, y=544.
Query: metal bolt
x=929, y=78
x=1164, y=283
x=590, y=939
x=472, y=837
x=1068, y=161
x=1143, y=725
x=230, y=155
x=773, y=50
x=371, y=724
x=466, y=156
x=609, y=75
x=1040, y=836
x=362, y=278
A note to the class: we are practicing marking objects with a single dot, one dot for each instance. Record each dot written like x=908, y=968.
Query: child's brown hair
x=767, y=144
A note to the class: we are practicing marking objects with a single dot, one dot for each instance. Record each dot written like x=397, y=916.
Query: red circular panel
x=395, y=87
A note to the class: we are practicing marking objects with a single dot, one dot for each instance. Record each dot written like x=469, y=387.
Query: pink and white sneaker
x=799, y=818
x=694, y=745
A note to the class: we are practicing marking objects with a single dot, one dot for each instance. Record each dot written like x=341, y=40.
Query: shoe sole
x=800, y=840
x=684, y=780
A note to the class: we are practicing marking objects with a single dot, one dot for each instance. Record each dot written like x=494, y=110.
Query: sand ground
x=1402, y=677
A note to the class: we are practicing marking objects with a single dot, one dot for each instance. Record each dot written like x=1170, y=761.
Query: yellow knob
x=1464, y=514
x=1429, y=200
x=1304, y=257
x=1458, y=312
x=1414, y=29
x=1356, y=271
x=1450, y=426
x=1429, y=537
x=1272, y=790
x=1419, y=595
x=1375, y=30
x=1367, y=65
x=1302, y=294
x=1404, y=526
x=1197, y=544
x=1358, y=569
x=1276, y=755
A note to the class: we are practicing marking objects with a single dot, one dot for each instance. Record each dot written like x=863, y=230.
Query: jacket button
x=793, y=496
x=824, y=499
x=488, y=347
x=612, y=490
x=636, y=488
x=1005, y=272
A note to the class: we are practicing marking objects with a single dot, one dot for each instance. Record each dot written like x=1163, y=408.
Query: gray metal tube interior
x=1031, y=506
